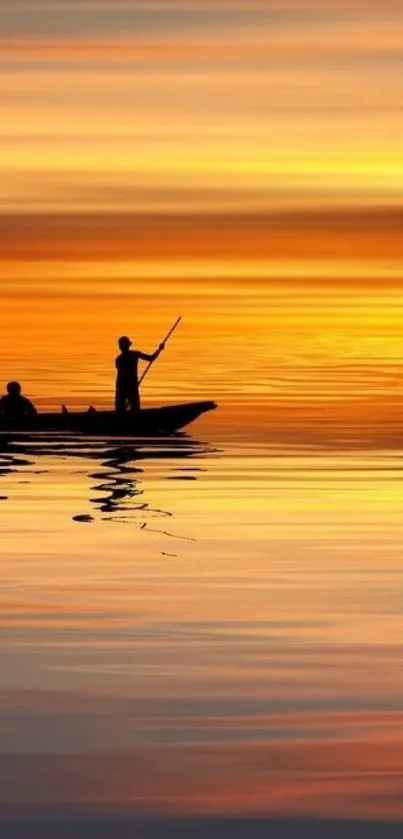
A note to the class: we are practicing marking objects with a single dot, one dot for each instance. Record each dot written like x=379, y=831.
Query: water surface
x=194, y=627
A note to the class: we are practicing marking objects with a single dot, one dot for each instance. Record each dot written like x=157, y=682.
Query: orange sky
x=293, y=100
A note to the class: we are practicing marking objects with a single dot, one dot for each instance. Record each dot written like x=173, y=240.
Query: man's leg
x=134, y=398
x=120, y=402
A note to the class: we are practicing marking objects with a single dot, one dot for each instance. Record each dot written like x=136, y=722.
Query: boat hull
x=147, y=422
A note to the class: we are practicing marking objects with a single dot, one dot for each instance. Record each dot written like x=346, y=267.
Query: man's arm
x=151, y=356
x=30, y=408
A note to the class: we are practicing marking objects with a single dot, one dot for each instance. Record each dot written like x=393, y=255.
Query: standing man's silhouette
x=127, y=385
x=14, y=404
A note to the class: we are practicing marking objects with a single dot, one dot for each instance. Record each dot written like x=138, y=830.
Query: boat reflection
x=117, y=486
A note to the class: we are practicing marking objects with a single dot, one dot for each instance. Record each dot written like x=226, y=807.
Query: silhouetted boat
x=147, y=422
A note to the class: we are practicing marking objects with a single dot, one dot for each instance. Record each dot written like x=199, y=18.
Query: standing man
x=127, y=385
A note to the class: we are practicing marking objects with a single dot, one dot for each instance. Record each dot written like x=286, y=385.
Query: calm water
x=194, y=627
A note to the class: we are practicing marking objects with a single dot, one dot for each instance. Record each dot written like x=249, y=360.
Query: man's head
x=124, y=343
x=14, y=389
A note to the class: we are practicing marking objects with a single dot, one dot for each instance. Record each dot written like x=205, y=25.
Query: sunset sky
x=239, y=163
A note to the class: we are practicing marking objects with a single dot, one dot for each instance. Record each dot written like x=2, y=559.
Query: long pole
x=168, y=335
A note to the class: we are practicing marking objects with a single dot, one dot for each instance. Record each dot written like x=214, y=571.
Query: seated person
x=14, y=404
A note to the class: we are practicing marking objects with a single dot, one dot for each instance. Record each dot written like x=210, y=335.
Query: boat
x=147, y=422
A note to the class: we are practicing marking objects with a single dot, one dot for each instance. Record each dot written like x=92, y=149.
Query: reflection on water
x=235, y=647
x=117, y=484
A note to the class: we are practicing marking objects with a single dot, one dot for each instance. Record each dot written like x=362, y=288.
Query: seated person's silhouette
x=15, y=406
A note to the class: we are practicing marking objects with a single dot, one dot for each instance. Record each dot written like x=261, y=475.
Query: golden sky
x=191, y=105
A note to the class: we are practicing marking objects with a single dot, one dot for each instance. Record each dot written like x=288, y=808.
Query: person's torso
x=127, y=365
x=15, y=405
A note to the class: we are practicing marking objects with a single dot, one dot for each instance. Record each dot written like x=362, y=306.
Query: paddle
x=168, y=335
